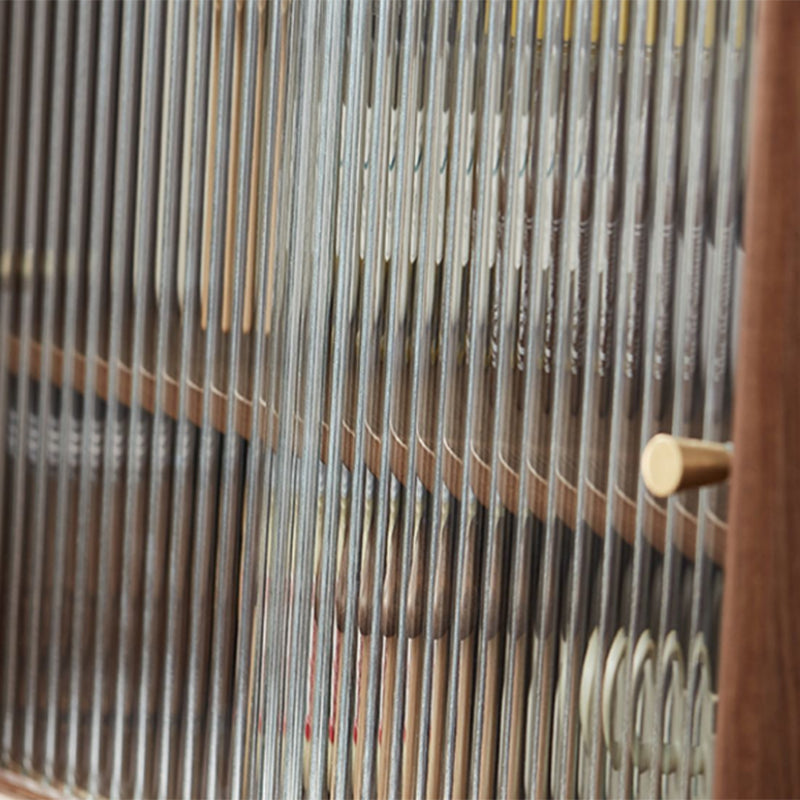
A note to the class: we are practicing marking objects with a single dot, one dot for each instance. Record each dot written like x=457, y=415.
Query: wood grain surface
x=22, y=787
x=758, y=742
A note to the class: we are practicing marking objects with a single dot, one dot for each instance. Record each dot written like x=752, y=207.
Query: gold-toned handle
x=670, y=463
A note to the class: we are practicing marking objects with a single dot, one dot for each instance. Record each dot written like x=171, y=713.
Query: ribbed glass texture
x=331, y=334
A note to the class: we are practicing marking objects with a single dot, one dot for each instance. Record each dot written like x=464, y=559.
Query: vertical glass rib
x=570, y=302
x=624, y=444
x=69, y=423
x=178, y=602
x=703, y=660
x=28, y=425
x=45, y=485
x=161, y=454
x=229, y=525
x=688, y=398
x=121, y=249
x=278, y=595
x=658, y=376
x=209, y=444
x=137, y=540
x=84, y=608
x=245, y=701
x=540, y=275
x=13, y=159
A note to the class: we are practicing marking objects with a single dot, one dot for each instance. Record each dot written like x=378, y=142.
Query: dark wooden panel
x=758, y=745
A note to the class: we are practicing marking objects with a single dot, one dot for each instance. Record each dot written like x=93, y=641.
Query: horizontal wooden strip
x=480, y=473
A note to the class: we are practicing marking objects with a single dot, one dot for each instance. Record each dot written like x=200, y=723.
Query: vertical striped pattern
x=330, y=336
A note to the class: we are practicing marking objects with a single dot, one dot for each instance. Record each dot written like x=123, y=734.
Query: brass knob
x=670, y=463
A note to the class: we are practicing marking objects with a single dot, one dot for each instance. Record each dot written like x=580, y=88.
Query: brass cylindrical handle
x=670, y=463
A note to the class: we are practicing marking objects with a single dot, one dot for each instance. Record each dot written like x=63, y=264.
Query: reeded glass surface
x=331, y=334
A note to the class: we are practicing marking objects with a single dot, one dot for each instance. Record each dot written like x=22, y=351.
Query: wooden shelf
x=480, y=473
x=15, y=785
